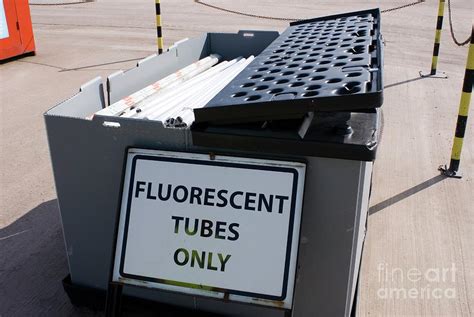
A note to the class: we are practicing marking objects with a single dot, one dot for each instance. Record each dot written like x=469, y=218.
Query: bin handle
x=111, y=124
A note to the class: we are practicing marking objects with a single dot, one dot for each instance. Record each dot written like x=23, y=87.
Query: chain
x=243, y=13
x=402, y=6
x=289, y=19
x=452, y=30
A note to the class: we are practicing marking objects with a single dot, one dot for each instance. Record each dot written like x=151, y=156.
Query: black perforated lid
x=332, y=63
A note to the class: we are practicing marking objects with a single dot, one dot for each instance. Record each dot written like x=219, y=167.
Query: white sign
x=222, y=227
x=3, y=22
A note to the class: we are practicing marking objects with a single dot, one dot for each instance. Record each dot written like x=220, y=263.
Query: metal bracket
x=448, y=173
x=442, y=75
x=113, y=299
x=308, y=119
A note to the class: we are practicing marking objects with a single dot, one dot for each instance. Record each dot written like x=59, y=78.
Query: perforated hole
x=360, y=33
x=282, y=81
x=255, y=76
x=359, y=49
x=247, y=85
x=239, y=94
x=349, y=88
x=355, y=74
x=302, y=75
x=334, y=80
x=276, y=91
x=313, y=87
x=314, y=78
x=261, y=87
x=253, y=98
x=297, y=84
x=270, y=78
x=310, y=94
x=320, y=70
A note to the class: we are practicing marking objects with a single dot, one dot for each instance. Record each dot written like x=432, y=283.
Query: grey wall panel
x=359, y=231
x=87, y=161
x=244, y=43
x=329, y=218
x=88, y=100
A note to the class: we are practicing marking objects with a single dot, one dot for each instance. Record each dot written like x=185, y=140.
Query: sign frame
x=120, y=276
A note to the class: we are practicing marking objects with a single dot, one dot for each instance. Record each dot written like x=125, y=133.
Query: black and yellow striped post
x=453, y=169
x=159, y=33
x=439, y=27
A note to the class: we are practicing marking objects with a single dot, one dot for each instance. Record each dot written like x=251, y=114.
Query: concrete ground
x=420, y=226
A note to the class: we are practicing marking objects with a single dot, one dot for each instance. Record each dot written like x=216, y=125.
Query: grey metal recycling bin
x=88, y=158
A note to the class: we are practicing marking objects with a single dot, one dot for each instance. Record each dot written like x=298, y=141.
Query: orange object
x=16, y=31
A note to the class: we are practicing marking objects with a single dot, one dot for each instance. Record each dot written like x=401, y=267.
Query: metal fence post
x=452, y=171
x=159, y=34
x=439, y=27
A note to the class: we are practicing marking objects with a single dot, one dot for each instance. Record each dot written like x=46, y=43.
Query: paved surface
x=420, y=223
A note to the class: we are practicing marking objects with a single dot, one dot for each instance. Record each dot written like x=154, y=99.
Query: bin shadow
x=33, y=264
x=405, y=194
